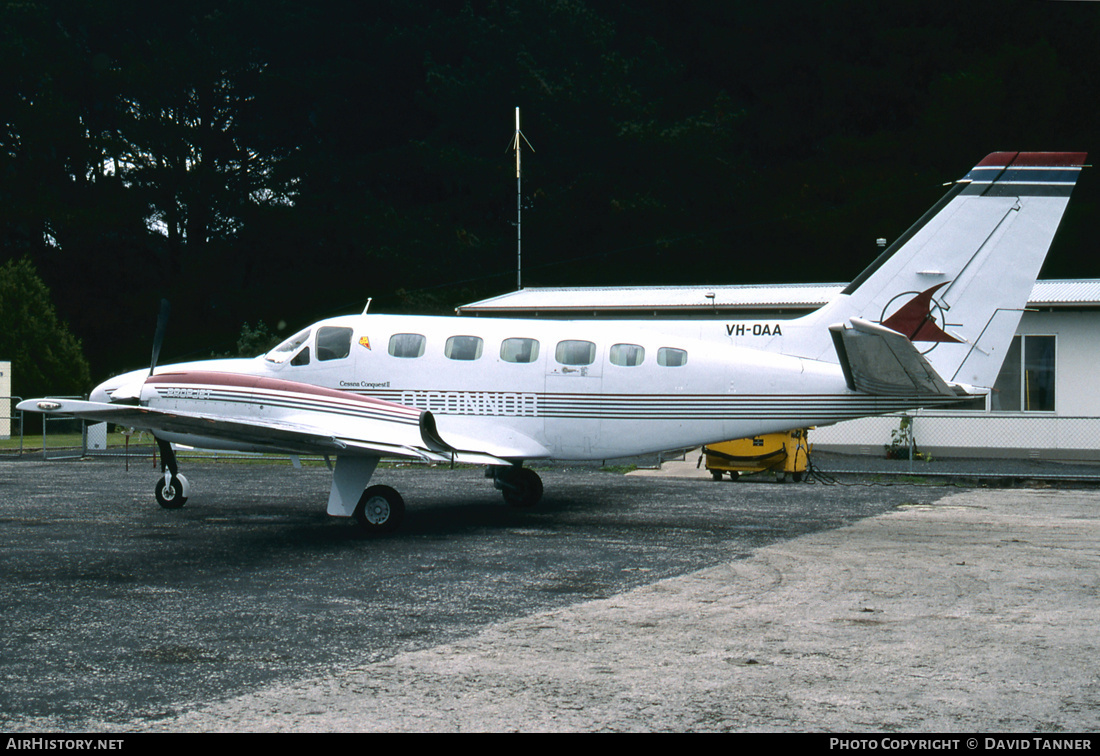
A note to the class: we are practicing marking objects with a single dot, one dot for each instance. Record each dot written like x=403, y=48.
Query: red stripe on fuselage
x=256, y=382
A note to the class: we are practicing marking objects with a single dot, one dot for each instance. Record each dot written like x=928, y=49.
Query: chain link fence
x=924, y=434
x=11, y=427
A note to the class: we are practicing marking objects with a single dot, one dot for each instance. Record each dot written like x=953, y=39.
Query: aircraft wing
x=882, y=362
x=309, y=420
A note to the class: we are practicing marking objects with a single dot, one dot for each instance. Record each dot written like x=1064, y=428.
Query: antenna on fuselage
x=516, y=144
x=369, y=300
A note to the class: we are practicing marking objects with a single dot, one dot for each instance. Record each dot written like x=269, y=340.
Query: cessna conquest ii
x=927, y=324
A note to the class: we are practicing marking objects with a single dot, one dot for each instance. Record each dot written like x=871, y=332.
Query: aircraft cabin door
x=574, y=379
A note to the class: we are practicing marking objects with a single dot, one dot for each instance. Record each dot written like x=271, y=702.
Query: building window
x=1027, y=377
x=463, y=348
x=669, y=357
x=575, y=353
x=627, y=355
x=407, y=345
x=519, y=350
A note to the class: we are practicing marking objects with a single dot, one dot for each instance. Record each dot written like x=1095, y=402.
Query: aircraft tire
x=171, y=496
x=380, y=510
x=525, y=490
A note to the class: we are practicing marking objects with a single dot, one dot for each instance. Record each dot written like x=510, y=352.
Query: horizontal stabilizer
x=880, y=361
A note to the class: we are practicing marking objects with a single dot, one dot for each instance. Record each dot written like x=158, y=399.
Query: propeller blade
x=158, y=337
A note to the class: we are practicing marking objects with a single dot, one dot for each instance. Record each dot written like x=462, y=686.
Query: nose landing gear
x=173, y=489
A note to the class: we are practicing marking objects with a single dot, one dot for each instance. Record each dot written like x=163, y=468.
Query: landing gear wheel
x=522, y=489
x=380, y=510
x=171, y=495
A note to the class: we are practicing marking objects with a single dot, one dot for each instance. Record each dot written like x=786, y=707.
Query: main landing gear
x=521, y=486
x=380, y=510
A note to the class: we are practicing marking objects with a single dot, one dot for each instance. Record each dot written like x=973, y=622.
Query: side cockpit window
x=286, y=350
x=333, y=343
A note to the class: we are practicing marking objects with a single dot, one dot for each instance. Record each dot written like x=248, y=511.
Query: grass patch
x=619, y=469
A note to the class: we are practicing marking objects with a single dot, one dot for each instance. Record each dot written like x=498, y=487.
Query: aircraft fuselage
x=558, y=389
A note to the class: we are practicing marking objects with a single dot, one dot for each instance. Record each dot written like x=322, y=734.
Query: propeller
x=173, y=492
x=130, y=393
x=158, y=337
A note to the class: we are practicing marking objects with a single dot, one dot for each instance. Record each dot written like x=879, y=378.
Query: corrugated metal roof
x=1084, y=292
x=658, y=297
x=1055, y=293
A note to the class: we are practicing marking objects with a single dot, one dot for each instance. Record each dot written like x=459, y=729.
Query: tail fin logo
x=918, y=318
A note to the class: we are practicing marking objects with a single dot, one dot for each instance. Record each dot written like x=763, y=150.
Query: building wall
x=1078, y=360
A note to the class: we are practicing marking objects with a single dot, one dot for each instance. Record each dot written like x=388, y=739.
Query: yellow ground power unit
x=785, y=454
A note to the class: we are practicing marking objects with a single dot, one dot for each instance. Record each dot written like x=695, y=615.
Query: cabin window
x=627, y=355
x=669, y=357
x=519, y=350
x=407, y=345
x=463, y=348
x=302, y=358
x=575, y=353
x=286, y=350
x=333, y=343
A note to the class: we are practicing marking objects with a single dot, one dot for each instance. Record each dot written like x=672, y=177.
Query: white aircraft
x=927, y=324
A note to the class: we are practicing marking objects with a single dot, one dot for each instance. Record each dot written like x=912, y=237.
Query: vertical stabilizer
x=956, y=283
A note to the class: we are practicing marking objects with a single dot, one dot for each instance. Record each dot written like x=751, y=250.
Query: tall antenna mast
x=516, y=144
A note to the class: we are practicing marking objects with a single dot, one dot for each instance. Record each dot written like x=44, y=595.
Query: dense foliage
x=284, y=160
x=45, y=356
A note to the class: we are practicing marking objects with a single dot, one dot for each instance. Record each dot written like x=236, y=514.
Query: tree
x=46, y=358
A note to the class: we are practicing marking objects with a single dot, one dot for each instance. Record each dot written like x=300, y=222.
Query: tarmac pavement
x=850, y=608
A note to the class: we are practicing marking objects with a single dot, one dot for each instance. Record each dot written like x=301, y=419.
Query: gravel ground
x=973, y=614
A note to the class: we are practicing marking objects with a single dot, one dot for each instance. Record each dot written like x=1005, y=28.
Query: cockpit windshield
x=286, y=350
